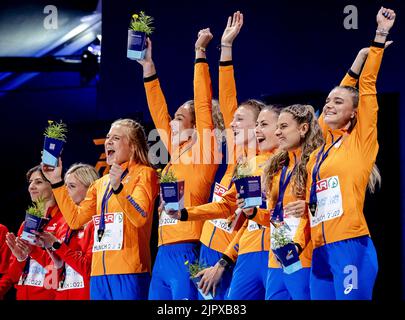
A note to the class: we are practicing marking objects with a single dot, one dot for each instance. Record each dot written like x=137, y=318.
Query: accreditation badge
x=113, y=234
x=253, y=226
x=166, y=220
x=73, y=279
x=36, y=275
x=329, y=201
x=222, y=224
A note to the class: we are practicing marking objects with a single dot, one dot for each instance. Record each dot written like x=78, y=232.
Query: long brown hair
x=311, y=141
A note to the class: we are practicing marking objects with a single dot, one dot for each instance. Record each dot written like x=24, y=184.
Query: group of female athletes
x=314, y=172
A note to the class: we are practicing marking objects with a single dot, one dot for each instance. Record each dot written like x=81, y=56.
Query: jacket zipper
x=212, y=236
x=323, y=232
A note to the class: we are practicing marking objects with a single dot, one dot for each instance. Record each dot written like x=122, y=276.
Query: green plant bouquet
x=171, y=190
x=284, y=248
x=194, y=269
x=248, y=186
x=34, y=220
x=55, y=138
x=139, y=29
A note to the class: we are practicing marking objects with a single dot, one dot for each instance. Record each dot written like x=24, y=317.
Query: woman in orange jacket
x=299, y=135
x=344, y=262
x=251, y=244
x=218, y=233
x=72, y=254
x=121, y=207
x=194, y=158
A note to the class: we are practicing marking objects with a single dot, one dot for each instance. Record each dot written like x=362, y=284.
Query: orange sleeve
x=233, y=247
x=203, y=111
x=158, y=110
x=215, y=210
x=366, y=127
x=348, y=80
x=76, y=216
x=262, y=217
x=228, y=102
x=137, y=201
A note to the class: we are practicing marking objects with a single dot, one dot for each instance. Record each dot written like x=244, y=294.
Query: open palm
x=232, y=29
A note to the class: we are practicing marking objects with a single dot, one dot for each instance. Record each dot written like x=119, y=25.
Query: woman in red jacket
x=4, y=251
x=72, y=255
x=31, y=268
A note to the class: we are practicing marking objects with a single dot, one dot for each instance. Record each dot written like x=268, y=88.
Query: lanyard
x=68, y=237
x=320, y=158
x=238, y=162
x=278, y=213
x=104, y=207
x=166, y=170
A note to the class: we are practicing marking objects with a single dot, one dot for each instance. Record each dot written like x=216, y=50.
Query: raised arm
x=351, y=77
x=203, y=97
x=227, y=87
x=155, y=98
x=75, y=216
x=366, y=127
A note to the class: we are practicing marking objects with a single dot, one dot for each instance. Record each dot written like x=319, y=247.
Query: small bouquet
x=194, y=269
x=248, y=186
x=34, y=220
x=284, y=248
x=55, y=138
x=172, y=191
x=139, y=28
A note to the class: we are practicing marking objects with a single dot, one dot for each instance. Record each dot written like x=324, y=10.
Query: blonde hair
x=254, y=105
x=137, y=138
x=374, y=179
x=85, y=173
x=217, y=117
x=312, y=140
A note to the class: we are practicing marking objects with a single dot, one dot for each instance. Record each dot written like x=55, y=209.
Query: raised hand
x=53, y=174
x=385, y=19
x=147, y=62
x=203, y=39
x=232, y=29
